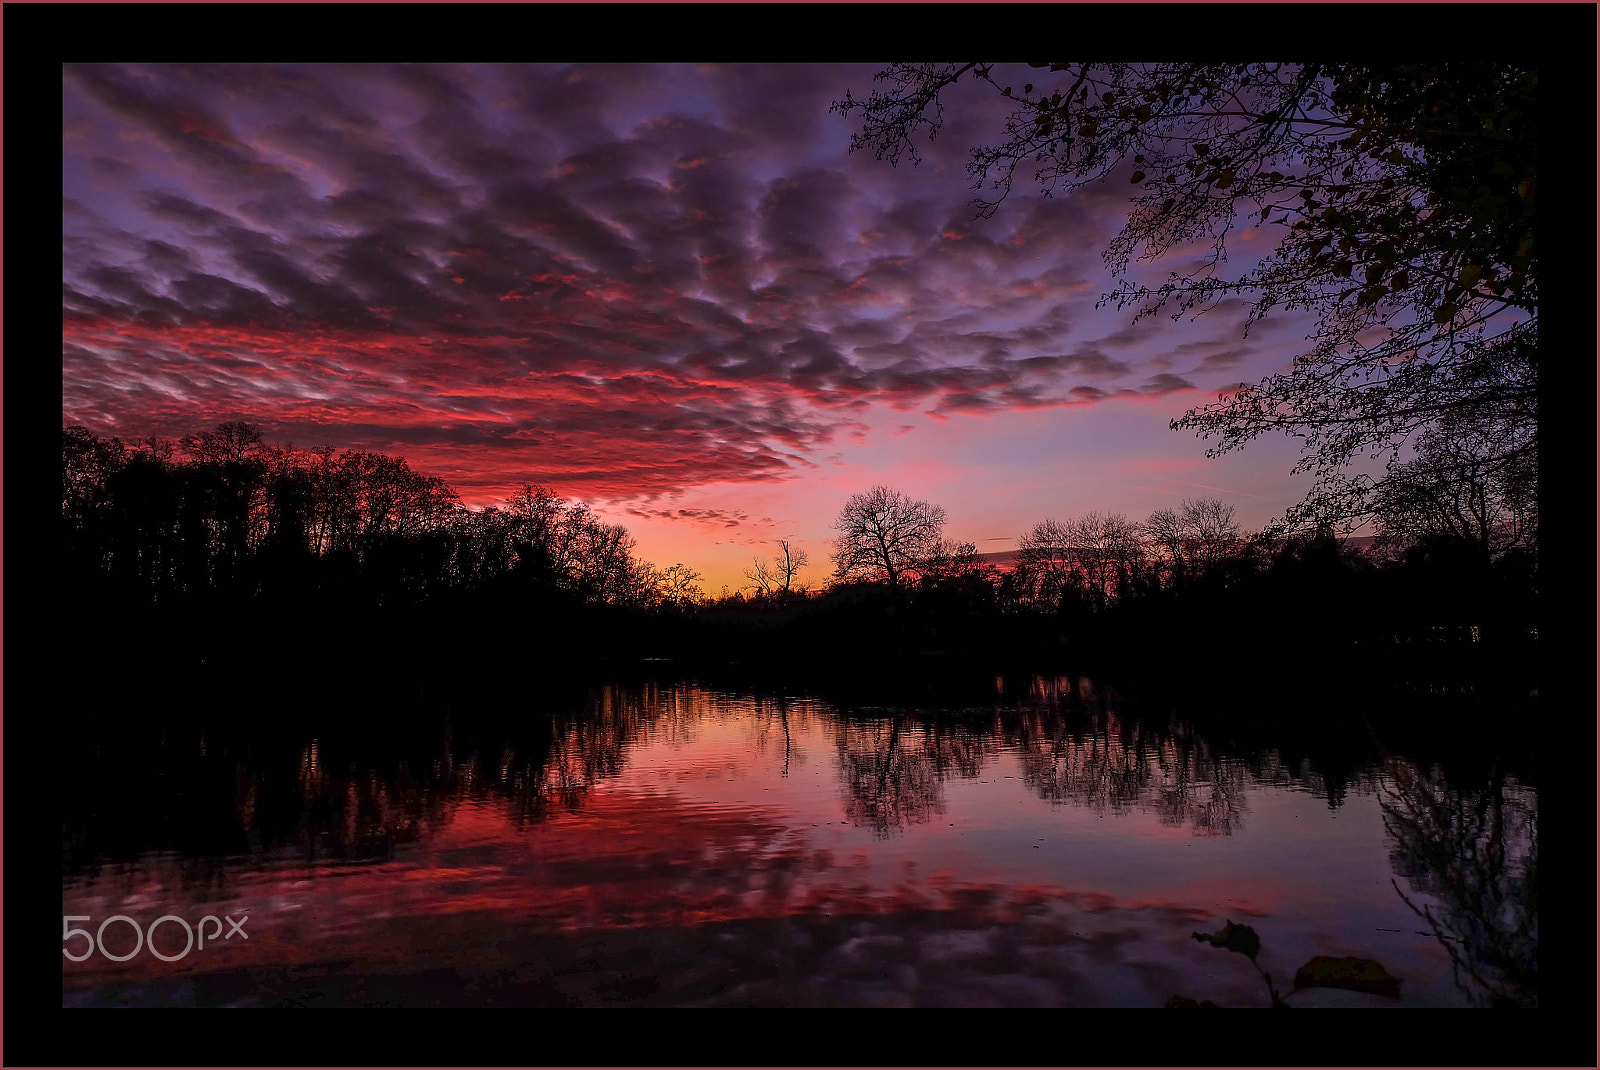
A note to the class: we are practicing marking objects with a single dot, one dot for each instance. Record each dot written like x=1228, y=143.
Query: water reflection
x=892, y=769
x=1036, y=849
x=1118, y=767
x=1473, y=851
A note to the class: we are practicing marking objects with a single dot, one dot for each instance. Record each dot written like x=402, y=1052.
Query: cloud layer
x=620, y=281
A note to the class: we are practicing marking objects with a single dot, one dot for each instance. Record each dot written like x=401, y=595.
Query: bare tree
x=231, y=442
x=881, y=533
x=1044, y=557
x=1210, y=531
x=1192, y=539
x=775, y=577
x=680, y=583
x=1164, y=534
x=789, y=563
x=1106, y=547
x=763, y=582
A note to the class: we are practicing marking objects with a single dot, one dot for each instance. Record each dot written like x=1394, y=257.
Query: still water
x=671, y=845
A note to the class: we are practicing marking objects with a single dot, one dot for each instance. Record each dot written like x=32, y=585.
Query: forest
x=353, y=576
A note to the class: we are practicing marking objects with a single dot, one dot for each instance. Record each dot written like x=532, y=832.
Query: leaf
x=1240, y=938
x=1356, y=975
x=1469, y=275
x=1138, y=176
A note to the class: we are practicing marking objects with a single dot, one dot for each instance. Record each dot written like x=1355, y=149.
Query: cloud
x=705, y=518
x=622, y=279
x=1165, y=383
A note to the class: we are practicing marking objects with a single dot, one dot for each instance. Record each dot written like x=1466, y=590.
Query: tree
x=87, y=464
x=1045, y=559
x=776, y=577
x=1455, y=488
x=232, y=442
x=1164, y=531
x=788, y=563
x=1402, y=197
x=955, y=563
x=760, y=574
x=1194, y=538
x=233, y=459
x=881, y=533
x=680, y=583
x=1106, y=550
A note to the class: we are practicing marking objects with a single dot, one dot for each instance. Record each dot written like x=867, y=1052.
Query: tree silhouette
x=1107, y=550
x=680, y=583
x=1194, y=538
x=881, y=533
x=1047, y=564
x=266, y=538
x=788, y=563
x=1403, y=199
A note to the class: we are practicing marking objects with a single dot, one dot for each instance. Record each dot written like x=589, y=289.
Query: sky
x=668, y=291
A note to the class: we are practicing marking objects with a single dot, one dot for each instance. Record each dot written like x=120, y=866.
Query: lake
x=673, y=844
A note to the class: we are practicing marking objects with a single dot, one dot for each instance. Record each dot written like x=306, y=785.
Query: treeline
x=1178, y=602
x=219, y=546
x=219, y=565
x=222, y=512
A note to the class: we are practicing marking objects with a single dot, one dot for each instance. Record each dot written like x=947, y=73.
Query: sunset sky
x=667, y=291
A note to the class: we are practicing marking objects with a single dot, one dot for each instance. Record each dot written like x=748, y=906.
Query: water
x=678, y=845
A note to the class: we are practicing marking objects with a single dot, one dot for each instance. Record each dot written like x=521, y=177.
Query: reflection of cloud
x=553, y=874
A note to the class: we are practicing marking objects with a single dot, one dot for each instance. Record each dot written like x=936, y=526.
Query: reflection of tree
x=894, y=768
x=779, y=715
x=1118, y=767
x=580, y=751
x=358, y=816
x=1476, y=854
x=889, y=781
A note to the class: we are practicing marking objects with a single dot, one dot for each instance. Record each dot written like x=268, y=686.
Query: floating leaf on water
x=1357, y=975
